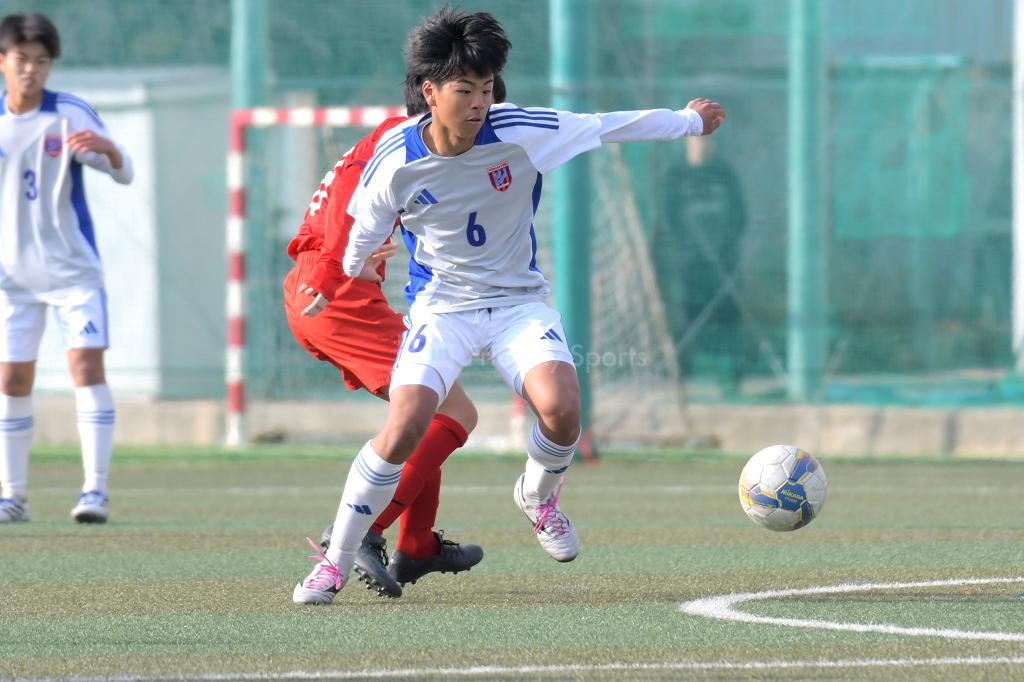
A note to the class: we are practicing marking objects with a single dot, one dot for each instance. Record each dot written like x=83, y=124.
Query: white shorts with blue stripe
x=81, y=315
x=515, y=338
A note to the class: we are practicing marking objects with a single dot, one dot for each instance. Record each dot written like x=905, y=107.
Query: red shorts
x=357, y=332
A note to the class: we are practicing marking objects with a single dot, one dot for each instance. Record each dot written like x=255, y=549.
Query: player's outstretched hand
x=319, y=300
x=711, y=113
x=385, y=251
x=369, y=272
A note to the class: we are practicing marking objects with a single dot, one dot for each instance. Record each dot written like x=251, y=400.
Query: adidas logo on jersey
x=360, y=508
x=425, y=198
x=89, y=328
x=551, y=334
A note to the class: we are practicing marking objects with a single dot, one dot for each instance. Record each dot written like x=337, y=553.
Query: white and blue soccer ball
x=782, y=488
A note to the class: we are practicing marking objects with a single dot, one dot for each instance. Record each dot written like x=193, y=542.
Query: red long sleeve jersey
x=326, y=225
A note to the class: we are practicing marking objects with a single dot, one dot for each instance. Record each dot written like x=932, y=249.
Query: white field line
x=532, y=670
x=722, y=607
x=313, y=489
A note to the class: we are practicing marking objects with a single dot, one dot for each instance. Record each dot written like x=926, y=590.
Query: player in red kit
x=356, y=330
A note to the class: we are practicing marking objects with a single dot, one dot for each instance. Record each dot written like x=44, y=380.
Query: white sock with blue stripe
x=545, y=466
x=370, y=486
x=16, y=426
x=95, y=407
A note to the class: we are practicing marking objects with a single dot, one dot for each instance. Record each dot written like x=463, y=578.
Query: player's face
x=461, y=104
x=26, y=66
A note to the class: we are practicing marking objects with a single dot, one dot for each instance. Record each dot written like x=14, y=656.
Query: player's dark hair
x=499, y=93
x=16, y=29
x=415, y=104
x=450, y=44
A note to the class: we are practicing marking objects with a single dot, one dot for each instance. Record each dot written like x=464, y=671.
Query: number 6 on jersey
x=475, y=233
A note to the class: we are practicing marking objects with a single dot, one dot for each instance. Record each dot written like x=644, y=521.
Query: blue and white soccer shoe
x=92, y=507
x=14, y=510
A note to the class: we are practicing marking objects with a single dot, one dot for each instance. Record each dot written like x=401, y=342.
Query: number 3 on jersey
x=475, y=233
x=31, y=191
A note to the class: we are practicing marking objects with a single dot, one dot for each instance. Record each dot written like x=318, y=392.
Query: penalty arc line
x=722, y=607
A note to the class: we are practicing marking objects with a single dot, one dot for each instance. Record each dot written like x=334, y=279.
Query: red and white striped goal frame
x=241, y=120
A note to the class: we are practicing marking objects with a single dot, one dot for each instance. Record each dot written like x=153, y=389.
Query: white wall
x=162, y=237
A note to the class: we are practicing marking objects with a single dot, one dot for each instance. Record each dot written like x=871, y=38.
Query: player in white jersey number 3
x=48, y=259
x=465, y=180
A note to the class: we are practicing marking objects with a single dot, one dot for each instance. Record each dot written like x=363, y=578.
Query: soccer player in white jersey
x=48, y=259
x=465, y=181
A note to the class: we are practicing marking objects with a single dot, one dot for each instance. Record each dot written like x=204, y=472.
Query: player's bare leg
x=459, y=407
x=372, y=480
x=553, y=391
x=16, y=427
x=409, y=414
x=95, y=414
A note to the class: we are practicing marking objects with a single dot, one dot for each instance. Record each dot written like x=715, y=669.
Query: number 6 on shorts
x=418, y=340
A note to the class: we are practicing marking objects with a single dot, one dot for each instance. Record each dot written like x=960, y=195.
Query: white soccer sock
x=546, y=464
x=96, y=431
x=370, y=486
x=16, y=426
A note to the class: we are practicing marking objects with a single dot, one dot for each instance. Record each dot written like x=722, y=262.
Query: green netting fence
x=689, y=238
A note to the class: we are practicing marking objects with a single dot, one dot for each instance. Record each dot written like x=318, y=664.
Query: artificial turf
x=193, y=574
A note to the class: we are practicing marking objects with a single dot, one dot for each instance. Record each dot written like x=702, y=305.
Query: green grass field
x=193, y=575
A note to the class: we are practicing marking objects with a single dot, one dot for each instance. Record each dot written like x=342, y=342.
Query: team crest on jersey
x=52, y=144
x=501, y=176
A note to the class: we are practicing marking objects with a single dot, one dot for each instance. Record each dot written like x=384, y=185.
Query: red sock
x=444, y=436
x=416, y=536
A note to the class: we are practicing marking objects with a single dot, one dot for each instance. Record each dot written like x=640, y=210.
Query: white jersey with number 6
x=47, y=243
x=468, y=219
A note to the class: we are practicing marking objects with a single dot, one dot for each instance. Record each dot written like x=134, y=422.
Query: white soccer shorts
x=516, y=338
x=81, y=315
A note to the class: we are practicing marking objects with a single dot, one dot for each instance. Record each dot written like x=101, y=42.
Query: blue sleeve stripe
x=78, y=100
x=63, y=99
x=504, y=115
x=382, y=148
x=532, y=111
x=523, y=121
x=388, y=148
x=390, y=139
x=516, y=117
x=513, y=124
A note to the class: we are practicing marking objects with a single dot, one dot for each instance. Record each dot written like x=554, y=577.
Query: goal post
x=241, y=121
x=634, y=362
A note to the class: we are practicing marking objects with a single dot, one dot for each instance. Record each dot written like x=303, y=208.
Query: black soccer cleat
x=325, y=537
x=372, y=566
x=451, y=558
x=371, y=563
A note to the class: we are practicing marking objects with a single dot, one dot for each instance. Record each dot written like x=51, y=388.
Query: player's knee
x=562, y=422
x=398, y=440
x=87, y=367
x=459, y=407
x=469, y=418
x=16, y=380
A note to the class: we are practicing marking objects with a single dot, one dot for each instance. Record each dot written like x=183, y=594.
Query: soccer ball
x=782, y=488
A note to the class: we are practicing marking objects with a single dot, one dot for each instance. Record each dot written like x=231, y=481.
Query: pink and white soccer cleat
x=320, y=586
